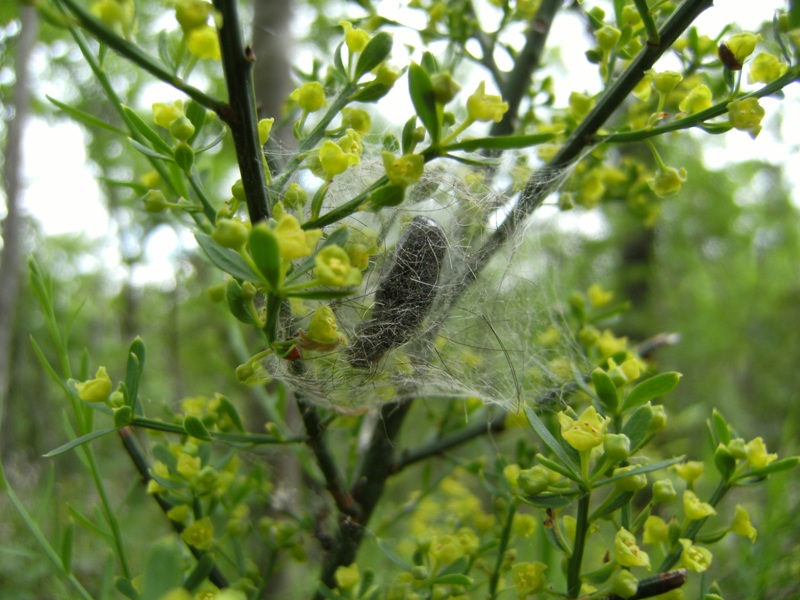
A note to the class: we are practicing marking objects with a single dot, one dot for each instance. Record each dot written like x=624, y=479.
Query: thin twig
x=438, y=447
x=515, y=86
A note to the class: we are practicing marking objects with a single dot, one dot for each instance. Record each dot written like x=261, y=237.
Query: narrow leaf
x=424, y=100
x=79, y=441
x=375, y=52
x=607, y=509
x=322, y=294
x=147, y=151
x=501, y=142
x=162, y=572
x=195, y=428
x=85, y=118
x=783, y=464
x=555, y=447
x=722, y=430
x=606, y=390
x=656, y=466
x=266, y=254
x=227, y=407
x=137, y=123
x=392, y=556
x=638, y=426
x=656, y=386
x=133, y=371
x=453, y=579
x=371, y=92
x=201, y=570
x=226, y=259
x=550, y=500
x=408, y=134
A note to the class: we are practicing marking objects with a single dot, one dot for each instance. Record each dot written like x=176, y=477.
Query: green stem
x=137, y=56
x=505, y=537
x=252, y=439
x=241, y=114
x=575, y=560
x=693, y=528
x=649, y=22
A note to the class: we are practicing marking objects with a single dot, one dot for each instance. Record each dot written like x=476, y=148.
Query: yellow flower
x=347, y=577
x=607, y=37
x=355, y=38
x=97, y=389
x=334, y=160
x=524, y=525
x=199, y=534
x=765, y=68
x=742, y=45
x=690, y=470
x=165, y=114
x=627, y=553
x=667, y=182
x=323, y=332
x=746, y=115
x=310, y=96
x=351, y=143
x=264, y=129
x=203, y=42
x=695, y=558
x=665, y=81
x=445, y=549
x=598, y=296
x=293, y=241
x=528, y=578
x=584, y=433
x=485, y=107
x=696, y=100
x=694, y=508
x=741, y=524
x=333, y=268
x=404, y=170
x=230, y=233
x=656, y=530
x=191, y=14
x=757, y=453
x=356, y=118
x=188, y=465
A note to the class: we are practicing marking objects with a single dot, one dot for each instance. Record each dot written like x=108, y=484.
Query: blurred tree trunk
x=272, y=77
x=10, y=260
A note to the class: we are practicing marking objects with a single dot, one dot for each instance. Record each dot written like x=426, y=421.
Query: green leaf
x=337, y=60
x=550, y=500
x=794, y=14
x=225, y=258
x=237, y=304
x=215, y=142
x=784, y=464
x=557, y=467
x=66, y=546
x=638, y=426
x=123, y=416
x=338, y=237
x=606, y=509
x=501, y=142
x=227, y=408
x=319, y=197
x=138, y=124
x=387, y=195
x=328, y=294
x=606, y=390
x=408, y=134
x=395, y=558
x=197, y=115
x=424, y=100
x=721, y=429
x=162, y=572
x=85, y=118
x=201, y=570
x=555, y=447
x=125, y=587
x=374, y=53
x=453, y=579
x=266, y=254
x=147, y=151
x=196, y=428
x=371, y=92
x=80, y=441
x=656, y=466
x=133, y=370
x=651, y=388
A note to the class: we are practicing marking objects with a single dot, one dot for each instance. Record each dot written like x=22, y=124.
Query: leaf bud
x=155, y=201
x=230, y=233
x=664, y=491
x=181, y=128
x=617, y=446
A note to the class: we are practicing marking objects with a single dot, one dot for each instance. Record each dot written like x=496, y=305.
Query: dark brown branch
x=515, y=86
x=657, y=585
x=437, y=447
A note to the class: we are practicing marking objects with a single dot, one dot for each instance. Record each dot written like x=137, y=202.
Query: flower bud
x=237, y=191
x=656, y=531
x=347, y=577
x=607, y=37
x=534, y=481
x=356, y=39
x=295, y=197
x=155, y=201
x=264, y=129
x=334, y=160
x=663, y=491
x=203, y=42
x=746, y=115
x=310, y=96
x=184, y=156
x=697, y=100
x=624, y=584
x=485, y=107
x=659, y=418
x=192, y=14
x=765, y=68
x=738, y=448
x=357, y=119
x=664, y=82
x=404, y=170
x=741, y=524
x=632, y=483
x=165, y=114
x=181, y=129
x=617, y=446
x=667, y=182
x=230, y=233
x=444, y=87
x=97, y=389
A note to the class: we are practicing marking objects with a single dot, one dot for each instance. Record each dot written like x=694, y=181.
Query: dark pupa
x=405, y=293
